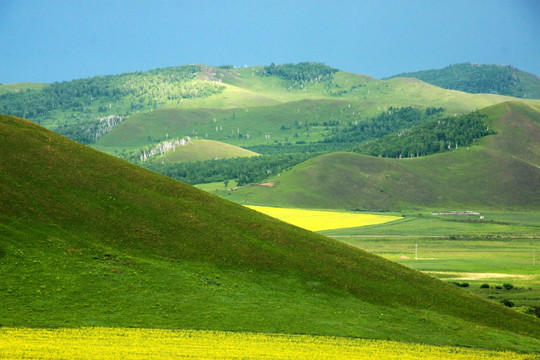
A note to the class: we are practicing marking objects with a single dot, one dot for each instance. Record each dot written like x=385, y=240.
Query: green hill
x=200, y=150
x=271, y=113
x=87, y=239
x=501, y=172
x=430, y=137
x=305, y=108
x=18, y=87
x=477, y=78
x=277, y=103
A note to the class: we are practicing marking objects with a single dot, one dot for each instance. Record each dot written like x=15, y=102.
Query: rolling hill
x=18, y=87
x=478, y=78
x=200, y=150
x=241, y=106
x=289, y=110
x=501, y=172
x=274, y=114
x=87, y=239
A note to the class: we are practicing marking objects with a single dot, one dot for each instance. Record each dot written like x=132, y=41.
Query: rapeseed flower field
x=316, y=220
x=150, y=344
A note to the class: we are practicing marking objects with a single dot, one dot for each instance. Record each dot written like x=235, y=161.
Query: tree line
x=297, y=76
x=477, y=78
x=86, y=99
x=389, y=121
x=434, y=136
x=246, y=170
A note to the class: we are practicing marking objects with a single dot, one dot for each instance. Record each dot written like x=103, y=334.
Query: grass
x=90, y=240
x=495, y=250
x=200, y=150
x=15, y=87
x=248, y=126
x=217, y=186
x=495, y=224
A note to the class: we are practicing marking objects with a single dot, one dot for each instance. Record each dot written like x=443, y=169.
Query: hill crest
x=479, y=78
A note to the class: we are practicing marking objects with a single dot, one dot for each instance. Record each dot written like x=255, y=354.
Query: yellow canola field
x=315, y=220
x=149, y=344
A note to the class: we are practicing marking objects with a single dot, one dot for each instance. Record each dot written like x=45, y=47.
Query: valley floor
x=481, y=255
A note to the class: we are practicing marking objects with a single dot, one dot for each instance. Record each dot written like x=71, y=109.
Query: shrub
x=508, y=286
x=457, y=283
x=484, y=286
x=508, y=303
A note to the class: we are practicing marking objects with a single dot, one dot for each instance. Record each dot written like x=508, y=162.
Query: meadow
x=123, y=343
x=502, y=248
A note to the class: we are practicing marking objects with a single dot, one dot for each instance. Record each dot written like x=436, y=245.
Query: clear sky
x=53, y=40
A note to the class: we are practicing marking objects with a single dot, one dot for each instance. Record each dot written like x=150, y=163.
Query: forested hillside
x=477, y=78
x=432, y=137
x=298, y=76
x=85, y=105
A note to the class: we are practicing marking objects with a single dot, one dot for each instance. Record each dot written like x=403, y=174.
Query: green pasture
x=504, y=247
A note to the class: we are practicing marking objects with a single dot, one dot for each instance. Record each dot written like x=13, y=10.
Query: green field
x=498, y=249
x=87, y=239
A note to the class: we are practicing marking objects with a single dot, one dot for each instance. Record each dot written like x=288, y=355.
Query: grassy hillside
x=477, y=78
x=88, y=239
x=184, y=100
x=433, y=136
x=276, y=109
x=17, y=87
x=289, y=116
x=200, y=150
x=501, y=172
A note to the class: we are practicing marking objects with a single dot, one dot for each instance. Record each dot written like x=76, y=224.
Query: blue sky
x=46, y=41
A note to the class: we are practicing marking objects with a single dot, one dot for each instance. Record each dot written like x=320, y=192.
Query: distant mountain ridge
x=478, y=78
